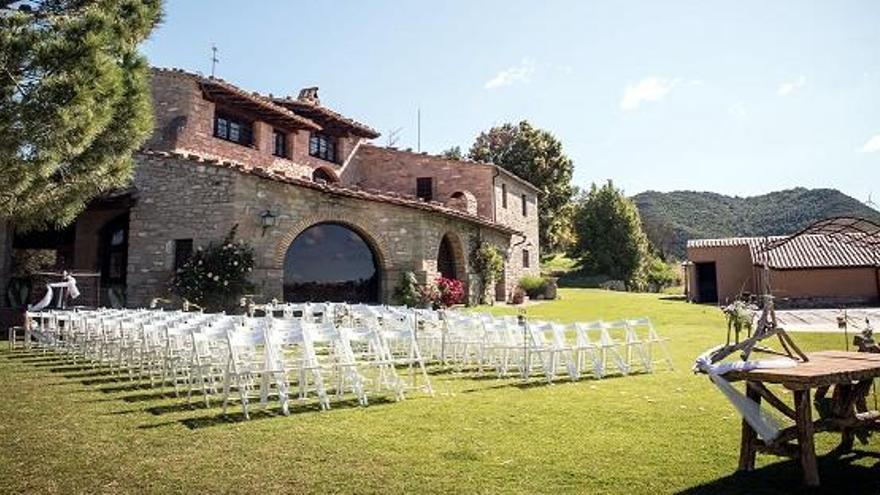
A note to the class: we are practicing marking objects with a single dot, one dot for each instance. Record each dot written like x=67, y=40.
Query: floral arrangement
x=216, y=277
x=451, y=291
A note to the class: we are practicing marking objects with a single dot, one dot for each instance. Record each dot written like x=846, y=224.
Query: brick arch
x=365, y=228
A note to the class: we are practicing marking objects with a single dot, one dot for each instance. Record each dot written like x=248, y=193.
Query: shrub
x=451, y=291
x=533, y=285
x=661, y=275
x=488, y=265
x=407, y=292
x=429, y=296
x=216, y=277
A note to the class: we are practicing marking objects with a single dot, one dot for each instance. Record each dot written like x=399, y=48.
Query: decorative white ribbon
x=764, y=424
x=69, y=283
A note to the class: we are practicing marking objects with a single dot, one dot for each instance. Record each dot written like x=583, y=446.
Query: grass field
x=69, y=429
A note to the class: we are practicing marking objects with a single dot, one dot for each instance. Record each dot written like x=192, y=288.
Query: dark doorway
x=446, y=259
x=707, y=282
x=330, y=262
x=113, y=260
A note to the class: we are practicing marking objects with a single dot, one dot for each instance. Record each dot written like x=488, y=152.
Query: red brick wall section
x=392, y=170
x=184, y=122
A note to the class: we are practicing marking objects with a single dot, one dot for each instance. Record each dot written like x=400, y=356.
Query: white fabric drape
x=764, y=424
x=69, y=284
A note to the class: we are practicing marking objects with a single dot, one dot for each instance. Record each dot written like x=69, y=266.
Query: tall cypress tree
x=74, y=103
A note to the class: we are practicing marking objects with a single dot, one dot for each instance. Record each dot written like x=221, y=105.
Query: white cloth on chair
x=69, y=283
x=764, y=424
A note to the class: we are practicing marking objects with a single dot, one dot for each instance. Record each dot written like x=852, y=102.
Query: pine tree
x=74, y=103
x=610, y=236
x=536, y=156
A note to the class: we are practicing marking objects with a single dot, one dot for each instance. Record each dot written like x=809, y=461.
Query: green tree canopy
x=74, y=103
x=536, y=156
x=453, y=153
x=610, y=237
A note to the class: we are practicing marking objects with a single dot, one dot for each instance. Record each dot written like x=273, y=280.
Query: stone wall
x=176, y=199
x=525, y=221
x=182, y=199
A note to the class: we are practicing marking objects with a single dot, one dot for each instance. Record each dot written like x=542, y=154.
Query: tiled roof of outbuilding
x=799, y=252
x=337, y=189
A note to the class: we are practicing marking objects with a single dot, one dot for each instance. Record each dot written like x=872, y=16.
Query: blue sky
x=740, y=97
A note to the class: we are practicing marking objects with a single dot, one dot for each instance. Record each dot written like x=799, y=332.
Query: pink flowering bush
x=451, y=291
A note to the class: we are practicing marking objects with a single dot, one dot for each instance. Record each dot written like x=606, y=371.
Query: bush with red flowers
x=451, y=291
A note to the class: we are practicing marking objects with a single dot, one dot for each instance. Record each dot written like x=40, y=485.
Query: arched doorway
x=447, y=259
x=330, y=262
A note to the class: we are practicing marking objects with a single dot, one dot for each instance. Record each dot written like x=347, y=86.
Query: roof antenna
x=871, y=203
x=214, y=59
x=419, y=131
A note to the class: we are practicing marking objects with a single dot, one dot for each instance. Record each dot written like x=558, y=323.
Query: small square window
x=425, y=188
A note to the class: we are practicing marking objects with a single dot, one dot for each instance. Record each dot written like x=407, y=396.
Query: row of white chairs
x=531, y=347
x=331, y=351
x=373, y=356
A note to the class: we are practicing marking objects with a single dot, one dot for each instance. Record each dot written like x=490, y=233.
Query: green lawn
x=68, y=429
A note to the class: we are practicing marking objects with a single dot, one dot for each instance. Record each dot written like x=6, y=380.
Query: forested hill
x=670, y=219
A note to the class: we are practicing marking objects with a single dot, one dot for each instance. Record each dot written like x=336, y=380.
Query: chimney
x=309, y=95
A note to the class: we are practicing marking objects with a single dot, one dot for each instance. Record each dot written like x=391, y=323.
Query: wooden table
x=849, y=374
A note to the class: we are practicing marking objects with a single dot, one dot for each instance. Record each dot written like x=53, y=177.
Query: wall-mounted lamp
x=267, y=220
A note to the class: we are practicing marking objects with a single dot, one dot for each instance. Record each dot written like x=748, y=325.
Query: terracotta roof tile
x=803, y=251
x=310, y=109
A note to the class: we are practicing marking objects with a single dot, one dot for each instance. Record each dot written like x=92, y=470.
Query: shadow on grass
x=515, y=382
x=838, y=475
x=678, y=298
x=235, y=413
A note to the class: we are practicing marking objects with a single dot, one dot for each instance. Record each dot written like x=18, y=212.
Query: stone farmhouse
x=329, y=215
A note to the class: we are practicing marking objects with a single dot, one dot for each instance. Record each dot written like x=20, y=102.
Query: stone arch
x=363, y=227
x=324, y=174
x=451, y=246
x=464, y=201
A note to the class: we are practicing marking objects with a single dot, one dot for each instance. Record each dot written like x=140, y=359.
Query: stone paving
x=825, y=320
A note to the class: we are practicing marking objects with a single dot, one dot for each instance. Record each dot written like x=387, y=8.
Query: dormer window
x=233, y=129
x=323, y=147
x=280, y=148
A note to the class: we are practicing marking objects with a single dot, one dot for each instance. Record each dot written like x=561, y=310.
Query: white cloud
x=648, y=89
x=738, y=110
x=872, y=146
x=521, y=73
x=787, y=87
